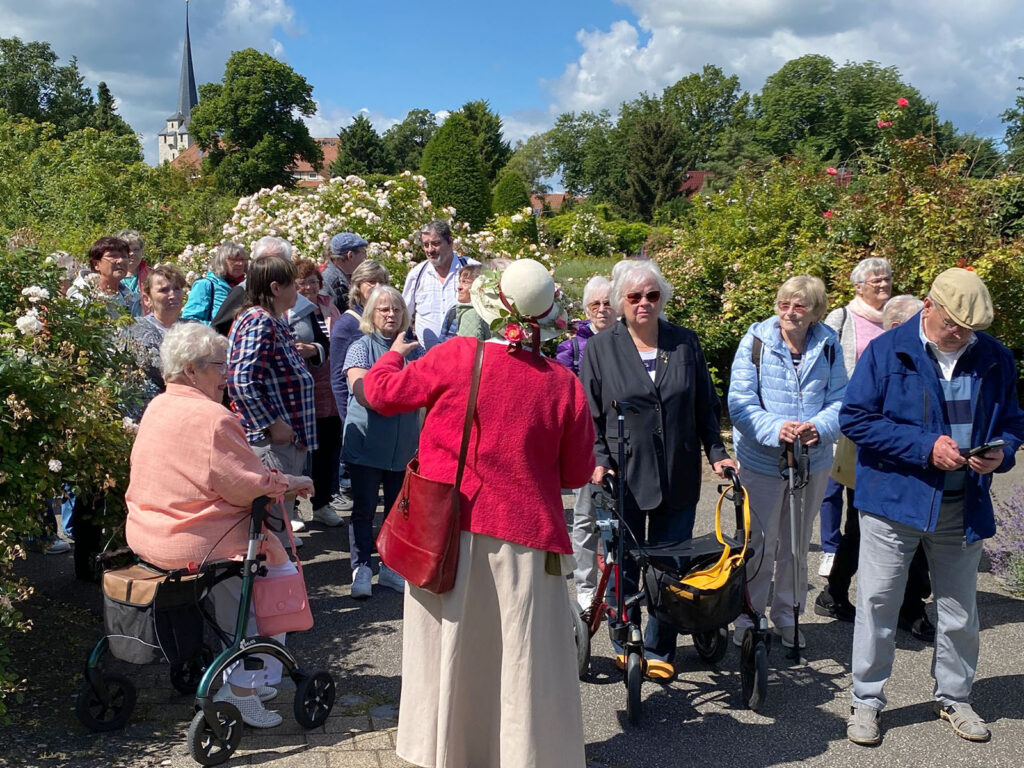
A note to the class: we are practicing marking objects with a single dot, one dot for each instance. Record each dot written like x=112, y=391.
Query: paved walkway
x=696, y=721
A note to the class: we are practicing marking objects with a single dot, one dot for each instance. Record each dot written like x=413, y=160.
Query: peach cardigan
x=193, y=477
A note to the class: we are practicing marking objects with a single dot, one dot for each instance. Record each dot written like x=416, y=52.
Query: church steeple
x=174, y=139
x=187, y=96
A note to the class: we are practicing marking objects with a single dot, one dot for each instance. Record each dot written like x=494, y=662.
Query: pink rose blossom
x=884, y=123
x=831, y=171
x=514, y=333
x=902, y=103
x=828, y=214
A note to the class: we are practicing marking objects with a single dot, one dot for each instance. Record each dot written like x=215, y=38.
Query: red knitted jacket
x=532, y=434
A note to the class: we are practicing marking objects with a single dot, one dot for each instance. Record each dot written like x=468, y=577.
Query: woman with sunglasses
x=788, y=381
x=659, y=369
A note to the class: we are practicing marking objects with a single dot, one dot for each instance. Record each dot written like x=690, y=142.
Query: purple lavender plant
x=1006, y=548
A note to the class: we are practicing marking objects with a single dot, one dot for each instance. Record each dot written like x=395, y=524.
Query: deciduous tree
x=406, y=141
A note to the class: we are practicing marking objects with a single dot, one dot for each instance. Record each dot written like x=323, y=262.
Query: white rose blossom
x=29, y=323
x=55, y=465
x=35, y=293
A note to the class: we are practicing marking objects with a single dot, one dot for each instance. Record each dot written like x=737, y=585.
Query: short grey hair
x=867, y=267
x=219, y=263
x=272, y=246
x=189, y=343
x=368, y=270
x=438, y=227
x=376, y=295
x=809, y=288
x=633, y=274
x=595, y=284
x=899, y=309
x=132, y=237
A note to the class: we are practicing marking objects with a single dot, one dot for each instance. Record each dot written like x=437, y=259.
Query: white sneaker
x=327, y=516
x=297, y=525
x=388, y=578
x=254, y=714
x=825, y=565
x=361, y=587
x=58, y=547
x=342, y=502
x=266, y=693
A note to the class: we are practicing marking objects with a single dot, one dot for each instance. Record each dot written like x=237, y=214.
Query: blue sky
x=532, y=61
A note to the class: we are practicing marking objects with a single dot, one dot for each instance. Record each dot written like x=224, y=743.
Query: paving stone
x=374, y=740
x=351, y=760
x=342, y=724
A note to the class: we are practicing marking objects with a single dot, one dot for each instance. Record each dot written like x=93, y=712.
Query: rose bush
x=65, y=385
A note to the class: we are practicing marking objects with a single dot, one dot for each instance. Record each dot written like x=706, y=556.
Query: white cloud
x=965, y=56
x=330, y=119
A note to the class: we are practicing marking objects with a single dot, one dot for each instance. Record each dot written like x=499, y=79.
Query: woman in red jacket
x=488, y=668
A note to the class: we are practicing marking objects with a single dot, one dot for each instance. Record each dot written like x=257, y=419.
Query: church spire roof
x=187, y=96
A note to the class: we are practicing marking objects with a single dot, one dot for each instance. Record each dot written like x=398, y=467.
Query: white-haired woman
x=788, y=381
x=375, y=448
x=193, y=481
x=857, y=323
x=597, y=307
x=660, y=368
x=227, y=269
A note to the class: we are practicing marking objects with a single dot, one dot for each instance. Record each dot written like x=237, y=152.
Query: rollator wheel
x=582, y=634
x=634, y=679
x=314, y=699
x=206, y=747
x=711, y=646
x=185, y=675
x=754, y=670
x=95, y=714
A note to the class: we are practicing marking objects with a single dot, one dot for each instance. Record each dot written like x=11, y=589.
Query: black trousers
x=324, y=461
x=919, y=585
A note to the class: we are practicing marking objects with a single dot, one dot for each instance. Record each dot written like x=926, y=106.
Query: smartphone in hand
x=985, y=448
x=410, y=335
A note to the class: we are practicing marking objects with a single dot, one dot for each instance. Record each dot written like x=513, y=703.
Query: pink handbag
x=280, y=603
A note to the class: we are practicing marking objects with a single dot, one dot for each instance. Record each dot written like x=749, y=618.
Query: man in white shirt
x=431, y=287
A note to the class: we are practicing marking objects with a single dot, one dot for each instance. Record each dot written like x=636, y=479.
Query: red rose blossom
x=902, y=103
x=884, y=123
x=831, y=171
x=828, y=214
x=514, y=333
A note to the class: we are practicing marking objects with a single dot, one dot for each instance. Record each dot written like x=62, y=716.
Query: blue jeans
x=831, y=522
x=366, y=485
x=657, y=525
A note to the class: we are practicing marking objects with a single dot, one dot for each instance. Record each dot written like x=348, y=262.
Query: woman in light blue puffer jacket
x=796, y=394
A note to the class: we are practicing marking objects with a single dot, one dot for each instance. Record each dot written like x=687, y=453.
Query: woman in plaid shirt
x=268, y=380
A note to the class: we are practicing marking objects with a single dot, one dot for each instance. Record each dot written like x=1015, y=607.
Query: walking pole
x=795, y=475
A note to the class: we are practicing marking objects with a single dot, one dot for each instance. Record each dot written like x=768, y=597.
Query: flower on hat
x=902, y=103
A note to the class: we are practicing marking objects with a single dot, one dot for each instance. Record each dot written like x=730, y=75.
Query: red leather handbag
x=420, y=536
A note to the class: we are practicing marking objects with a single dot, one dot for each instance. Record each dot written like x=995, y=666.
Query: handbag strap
x=474, y=389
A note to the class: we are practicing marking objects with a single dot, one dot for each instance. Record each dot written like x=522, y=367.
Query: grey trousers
x=584, y=544
x=886, y=549
x=289, y=459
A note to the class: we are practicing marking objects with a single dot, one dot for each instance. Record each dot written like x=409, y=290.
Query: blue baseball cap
x=343, y=242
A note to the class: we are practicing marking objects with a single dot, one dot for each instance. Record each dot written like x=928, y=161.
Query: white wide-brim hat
x=524, y=293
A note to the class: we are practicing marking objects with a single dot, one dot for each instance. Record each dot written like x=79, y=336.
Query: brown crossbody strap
x=474, y=389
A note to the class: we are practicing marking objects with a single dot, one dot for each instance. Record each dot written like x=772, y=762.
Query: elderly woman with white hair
x=193, y=480
x=857, y=323
x=597, y=306
x=227, y=269
x=660, y=368
x=788, y=381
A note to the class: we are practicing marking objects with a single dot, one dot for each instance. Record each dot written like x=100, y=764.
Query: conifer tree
x=361, y=150
x=455, y=173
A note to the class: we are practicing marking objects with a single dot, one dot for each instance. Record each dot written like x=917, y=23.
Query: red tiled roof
x=192, y=157
x=694, y=183
x=555, y=200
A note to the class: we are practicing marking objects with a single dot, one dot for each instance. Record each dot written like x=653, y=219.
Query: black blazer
x=679, y=413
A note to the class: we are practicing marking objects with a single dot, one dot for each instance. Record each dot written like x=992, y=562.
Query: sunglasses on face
x=652, y=296
x=785, y=306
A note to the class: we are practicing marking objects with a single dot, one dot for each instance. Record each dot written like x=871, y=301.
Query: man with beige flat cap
x=932, y=407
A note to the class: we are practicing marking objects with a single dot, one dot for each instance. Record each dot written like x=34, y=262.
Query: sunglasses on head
x=652, y=296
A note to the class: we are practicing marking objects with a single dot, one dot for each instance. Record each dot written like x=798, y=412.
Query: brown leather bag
x=420, y=537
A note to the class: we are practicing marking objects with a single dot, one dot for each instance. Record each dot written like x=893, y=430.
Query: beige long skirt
x=489, y=668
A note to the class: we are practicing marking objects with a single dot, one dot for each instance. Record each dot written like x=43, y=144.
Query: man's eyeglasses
x=652, y=296
x=948, y=324
x=785, y=307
